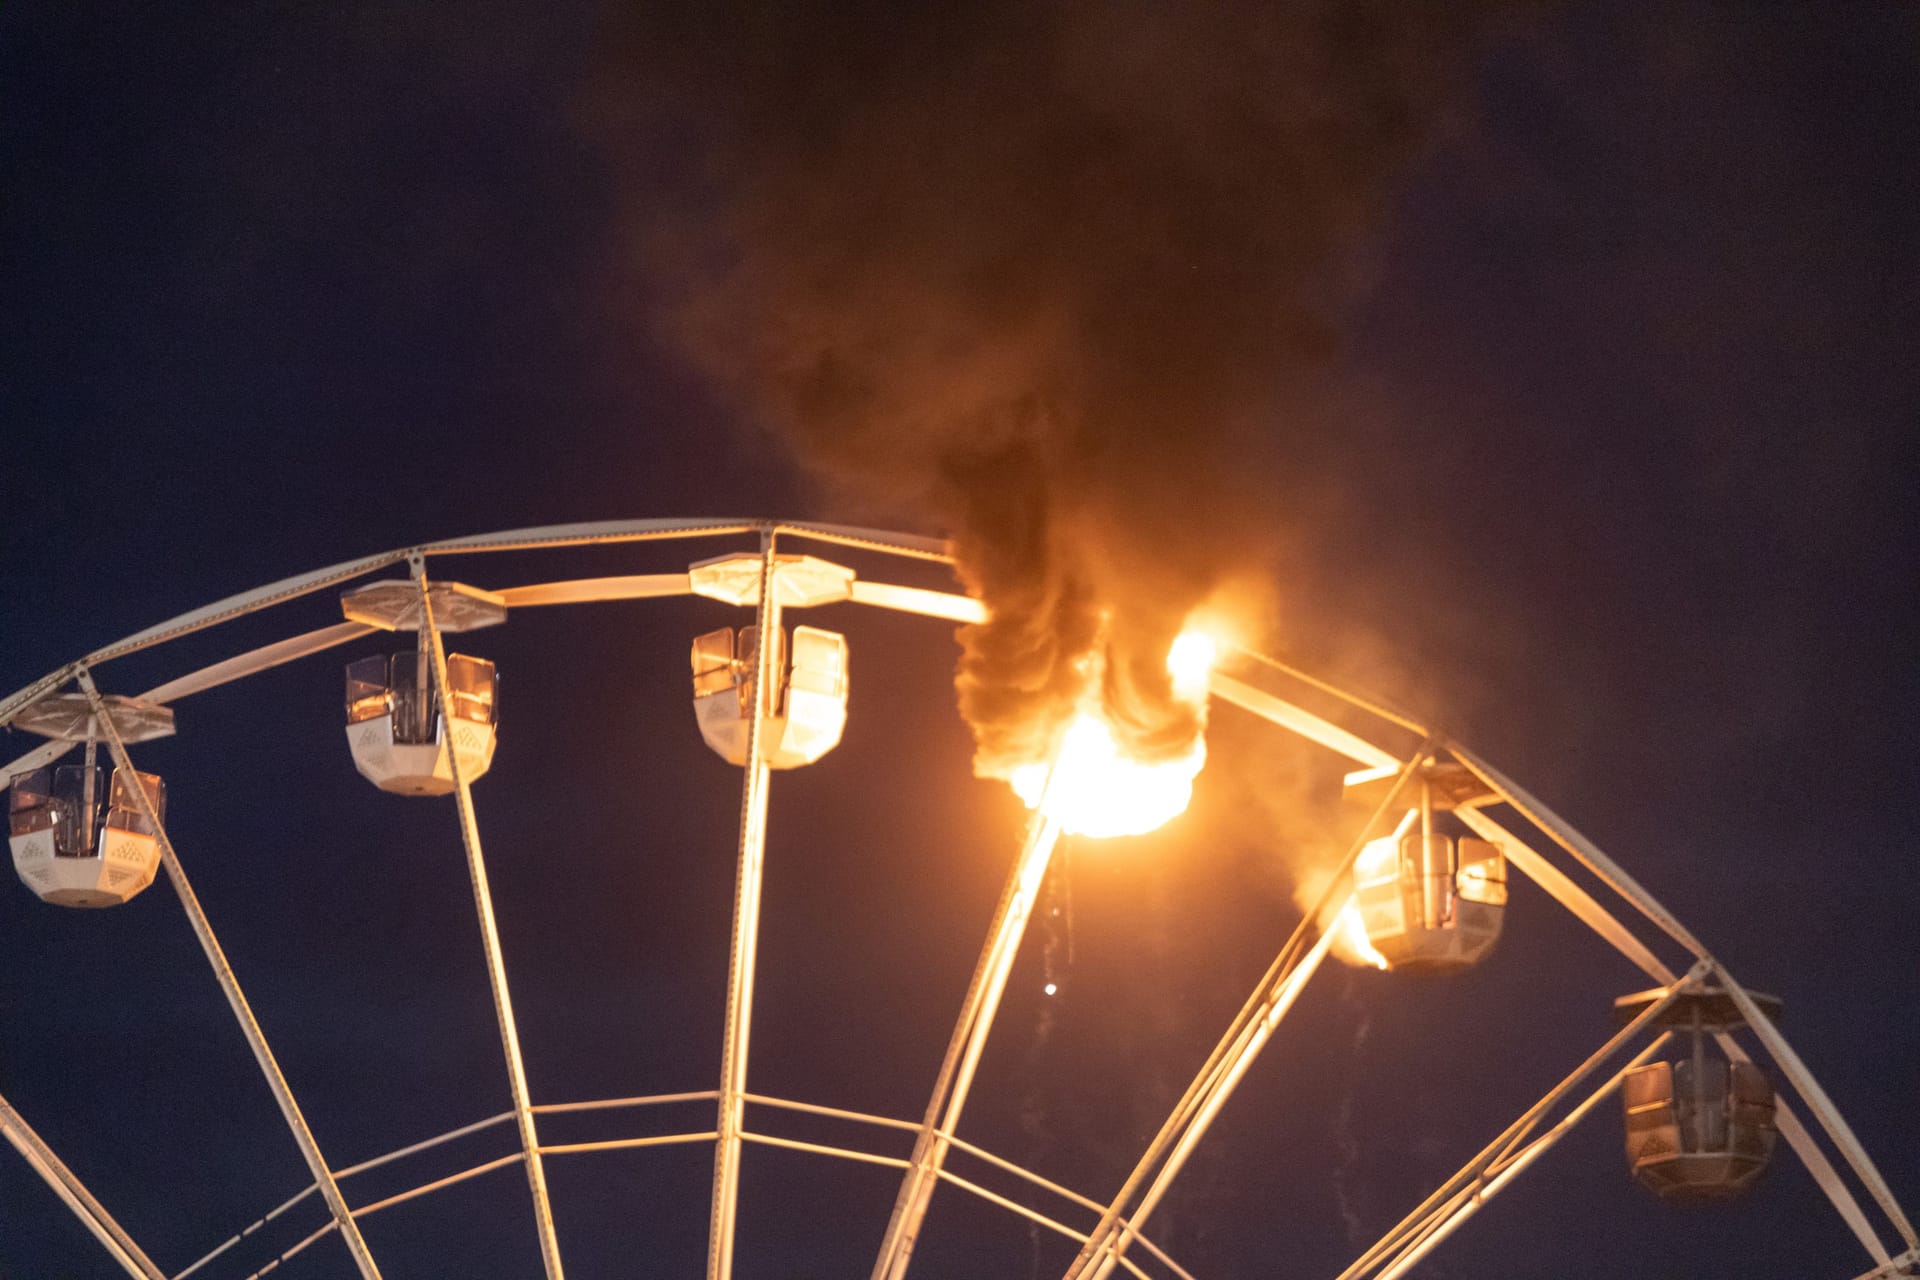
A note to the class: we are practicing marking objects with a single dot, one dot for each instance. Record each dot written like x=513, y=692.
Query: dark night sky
x=1615, y=464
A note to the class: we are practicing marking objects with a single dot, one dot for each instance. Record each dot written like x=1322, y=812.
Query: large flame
x=1092, y=789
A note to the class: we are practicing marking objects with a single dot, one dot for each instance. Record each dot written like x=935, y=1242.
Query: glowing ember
x=1096, y=790
x=1350, y=941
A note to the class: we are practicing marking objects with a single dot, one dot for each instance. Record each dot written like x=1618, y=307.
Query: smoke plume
x=1046, y=275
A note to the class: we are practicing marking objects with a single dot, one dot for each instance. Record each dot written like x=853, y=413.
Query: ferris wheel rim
x=1120, y=1230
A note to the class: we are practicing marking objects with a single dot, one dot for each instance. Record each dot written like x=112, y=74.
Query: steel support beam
x=54, y=1172
x=1561, y=832
x=1104, y=1254
x=1822, y=1106
x=751, y=857
x=236, y=999
x=490, y=943
x=1245, y=1037
x=966, y=1044
x=1467, y=1201
x=1505, y=1147
x=1567, y=893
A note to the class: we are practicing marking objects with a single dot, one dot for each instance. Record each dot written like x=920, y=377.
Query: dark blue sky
x=1615, y=463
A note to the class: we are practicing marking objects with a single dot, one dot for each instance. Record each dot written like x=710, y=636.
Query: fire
x=1092, y=789
x=1350, y=940
x=1190, y=661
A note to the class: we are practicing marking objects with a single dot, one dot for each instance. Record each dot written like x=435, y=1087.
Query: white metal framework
x=1110, y=1231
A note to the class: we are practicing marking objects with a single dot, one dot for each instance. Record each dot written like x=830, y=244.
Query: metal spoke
x=750, y=870
x=54, y=1172
x=236, y=999
x=1187, y=1123
x=968, y=1041
x=490, y=943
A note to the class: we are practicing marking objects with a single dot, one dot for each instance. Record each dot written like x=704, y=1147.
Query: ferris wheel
x=1707, y=1084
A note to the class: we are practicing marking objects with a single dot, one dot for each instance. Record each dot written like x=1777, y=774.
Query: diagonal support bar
x=1188, y=1121
x=1584, y=850
x=1567, y=893
x=1822, y=1106
x=236, y=999
x=1607, y=926
x=1469, y=1200
x=490, y=942
x=1502, y=1148
x=54, y=1172
x=965, y=1046
x=1907, y=1264
x=743, y=959
x=1105, y=1255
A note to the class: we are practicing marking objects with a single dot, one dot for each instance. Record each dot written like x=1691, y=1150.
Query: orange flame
x=1350, y=940
x=1092, y=789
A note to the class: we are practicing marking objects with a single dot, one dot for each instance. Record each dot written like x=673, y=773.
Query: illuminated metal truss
x=1113, y=1235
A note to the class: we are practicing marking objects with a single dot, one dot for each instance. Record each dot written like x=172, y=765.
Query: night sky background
x=1611, y=472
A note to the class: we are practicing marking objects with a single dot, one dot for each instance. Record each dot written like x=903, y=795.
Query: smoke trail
x=1352, y=1220
x=1043, y=272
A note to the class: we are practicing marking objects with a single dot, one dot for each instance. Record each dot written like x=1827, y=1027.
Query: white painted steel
x=255, y=661
x=1371, y=705
x=911, y=545
x=1794, y=1130
x=1562, y=833
x=959, y=609
x=1822, y=1106
x=1298, y=720
x=968, y=1041
x=591, y=533
x=1491, y=1155
x=1230, y=1056
x=246, y=602
x=1471, y=1198
x=749, y=874
x=1907, y=1264
x=236, y=999
x=490, y=944
x=1125, y=1229
x=1567, y=893
x=53, y=1171
x=929, y=604
x=44, y=754
x=642, y=586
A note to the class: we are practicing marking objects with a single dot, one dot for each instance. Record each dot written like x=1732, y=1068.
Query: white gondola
x=1429, y=900
x=808, y=710
x=399, y=740
x=78, y=845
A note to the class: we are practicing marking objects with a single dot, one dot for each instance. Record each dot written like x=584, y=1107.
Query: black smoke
x=1051, y=276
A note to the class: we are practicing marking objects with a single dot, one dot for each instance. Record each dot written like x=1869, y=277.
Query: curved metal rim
x=1105, y=1247
x=443, y=1181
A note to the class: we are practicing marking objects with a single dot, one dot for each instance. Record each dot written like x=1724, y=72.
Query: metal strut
x=964, y=1047
x=490, y=939
x=1246, y=1036
x=55, y=1174
x=750, y=871
x=236, y=999
x=1505, y=1154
